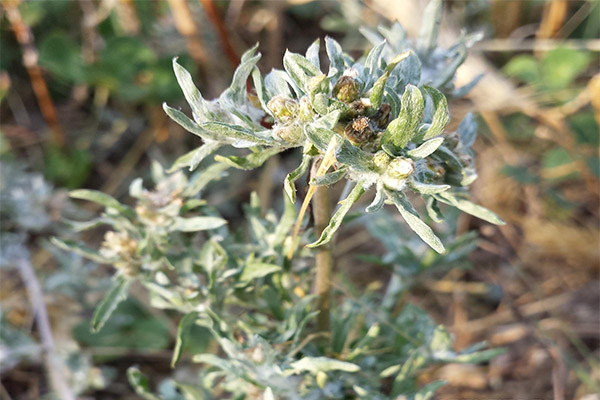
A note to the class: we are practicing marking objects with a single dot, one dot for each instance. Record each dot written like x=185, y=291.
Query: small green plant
x=376, y=122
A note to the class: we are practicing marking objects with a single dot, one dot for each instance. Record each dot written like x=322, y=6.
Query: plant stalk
x=321, y=206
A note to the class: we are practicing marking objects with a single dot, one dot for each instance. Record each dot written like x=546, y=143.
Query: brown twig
x=54, y=368
x=30, y=61
x=214, y=17
x=128, y=19
x=187, y=28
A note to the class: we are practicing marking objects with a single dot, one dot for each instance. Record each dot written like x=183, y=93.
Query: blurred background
x=81, y=88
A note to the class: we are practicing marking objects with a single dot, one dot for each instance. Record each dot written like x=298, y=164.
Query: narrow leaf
x=250, y=161
x=140, y=383
x=329, y=179
x=195, y=224
x=425, y=188
x=470, y=208
x=192, y=159
x=77, y=248
x=288, y=184
x=191, y=93
x=426, y=148
x=402, y=129
x=324, y=364
x=255, y=270
x=335, y=54
x=378, y=200
x=237, y=133
x=109, y=303
x=441, y=115
x=182, y=330
x=338, y=216
x=468, y=130
x=379, y=87
x=312, y=53
x=186, y=123
x=414, y=221
x=102, y=199
x=428, y=35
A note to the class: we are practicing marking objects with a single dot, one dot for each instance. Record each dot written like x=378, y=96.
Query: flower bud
x=359, y=130
x=401, y=168
x=305, y=111
x=346, y=89
x=289, y=134
x=283, y=108
x=452, y=140
x=381, y=160
x=382, y=116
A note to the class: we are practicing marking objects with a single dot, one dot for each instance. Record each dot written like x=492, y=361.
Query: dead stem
x=213, y=14
x=30, y=61
x=186, y=27
x=54, y=367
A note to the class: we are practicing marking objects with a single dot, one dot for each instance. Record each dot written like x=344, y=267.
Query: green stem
x=324, y=258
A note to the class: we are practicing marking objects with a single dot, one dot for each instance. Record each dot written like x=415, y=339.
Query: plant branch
x=214, y=17
x=321, y=207
x=54, y=368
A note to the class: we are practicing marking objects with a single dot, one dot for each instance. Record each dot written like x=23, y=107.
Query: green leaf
x=195, y=224
x=470, y=208
x=347, y=153
x=433, y=210
x=255, y=270
x=561, y=66
x=102, y=199
x=524, y=68
x=312, y=53
x=430, y=27
x=329, y=178
x=192, y=94
x=192, y=159
x=182, y=330
x=300, y=70
x=336, y=56
x=372, y=62
x=77, y=248
x=414, y=221
x=237, y=90
x=288, y=184
x=425, y=188
x=109, y=303
x=202, y=178
x=324, y=364
x=467, y=130
x=140, y=383
x=186, y=123
x=251, y=161
x=261, y=90
x=426, y=148
x=379, y=87
x=276, y=83
x=427, y=391
x=402, y=129
x=378, y=200
x=441, y=115
x=240, y=136
x=338, y=216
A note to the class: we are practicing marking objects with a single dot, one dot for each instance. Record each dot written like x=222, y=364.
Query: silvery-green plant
x=371, y=122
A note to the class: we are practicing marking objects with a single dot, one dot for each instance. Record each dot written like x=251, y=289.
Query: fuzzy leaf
x=109, y=303
x=470, y=208
x=426, y=148
x=433, y=210
x=348, y=154
x=200, y=179
x=255, y=270
x=251, y=161
x=194, y=157
x=338, y=216
x=77, y=248
x=261, y=90
x=428, y=35
x=237, y=89
x=140, y=383
x=329, y=178
x=276, y=83
x=427, y=391
x=441, y=115
x=378, y=201
x=468, y=130
x=414, y=221
x=312, y=53
x=425, y=188
x=236, y=133
x=402, y=129
x=324, y=364
x=186, y=123
x=300, y=69
x=335, y=54
x=288, y=183
x=102, y=199
x=379, y=87
x=195, y=224
x=182, y=330
x=192, y=94
x=372, y=62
